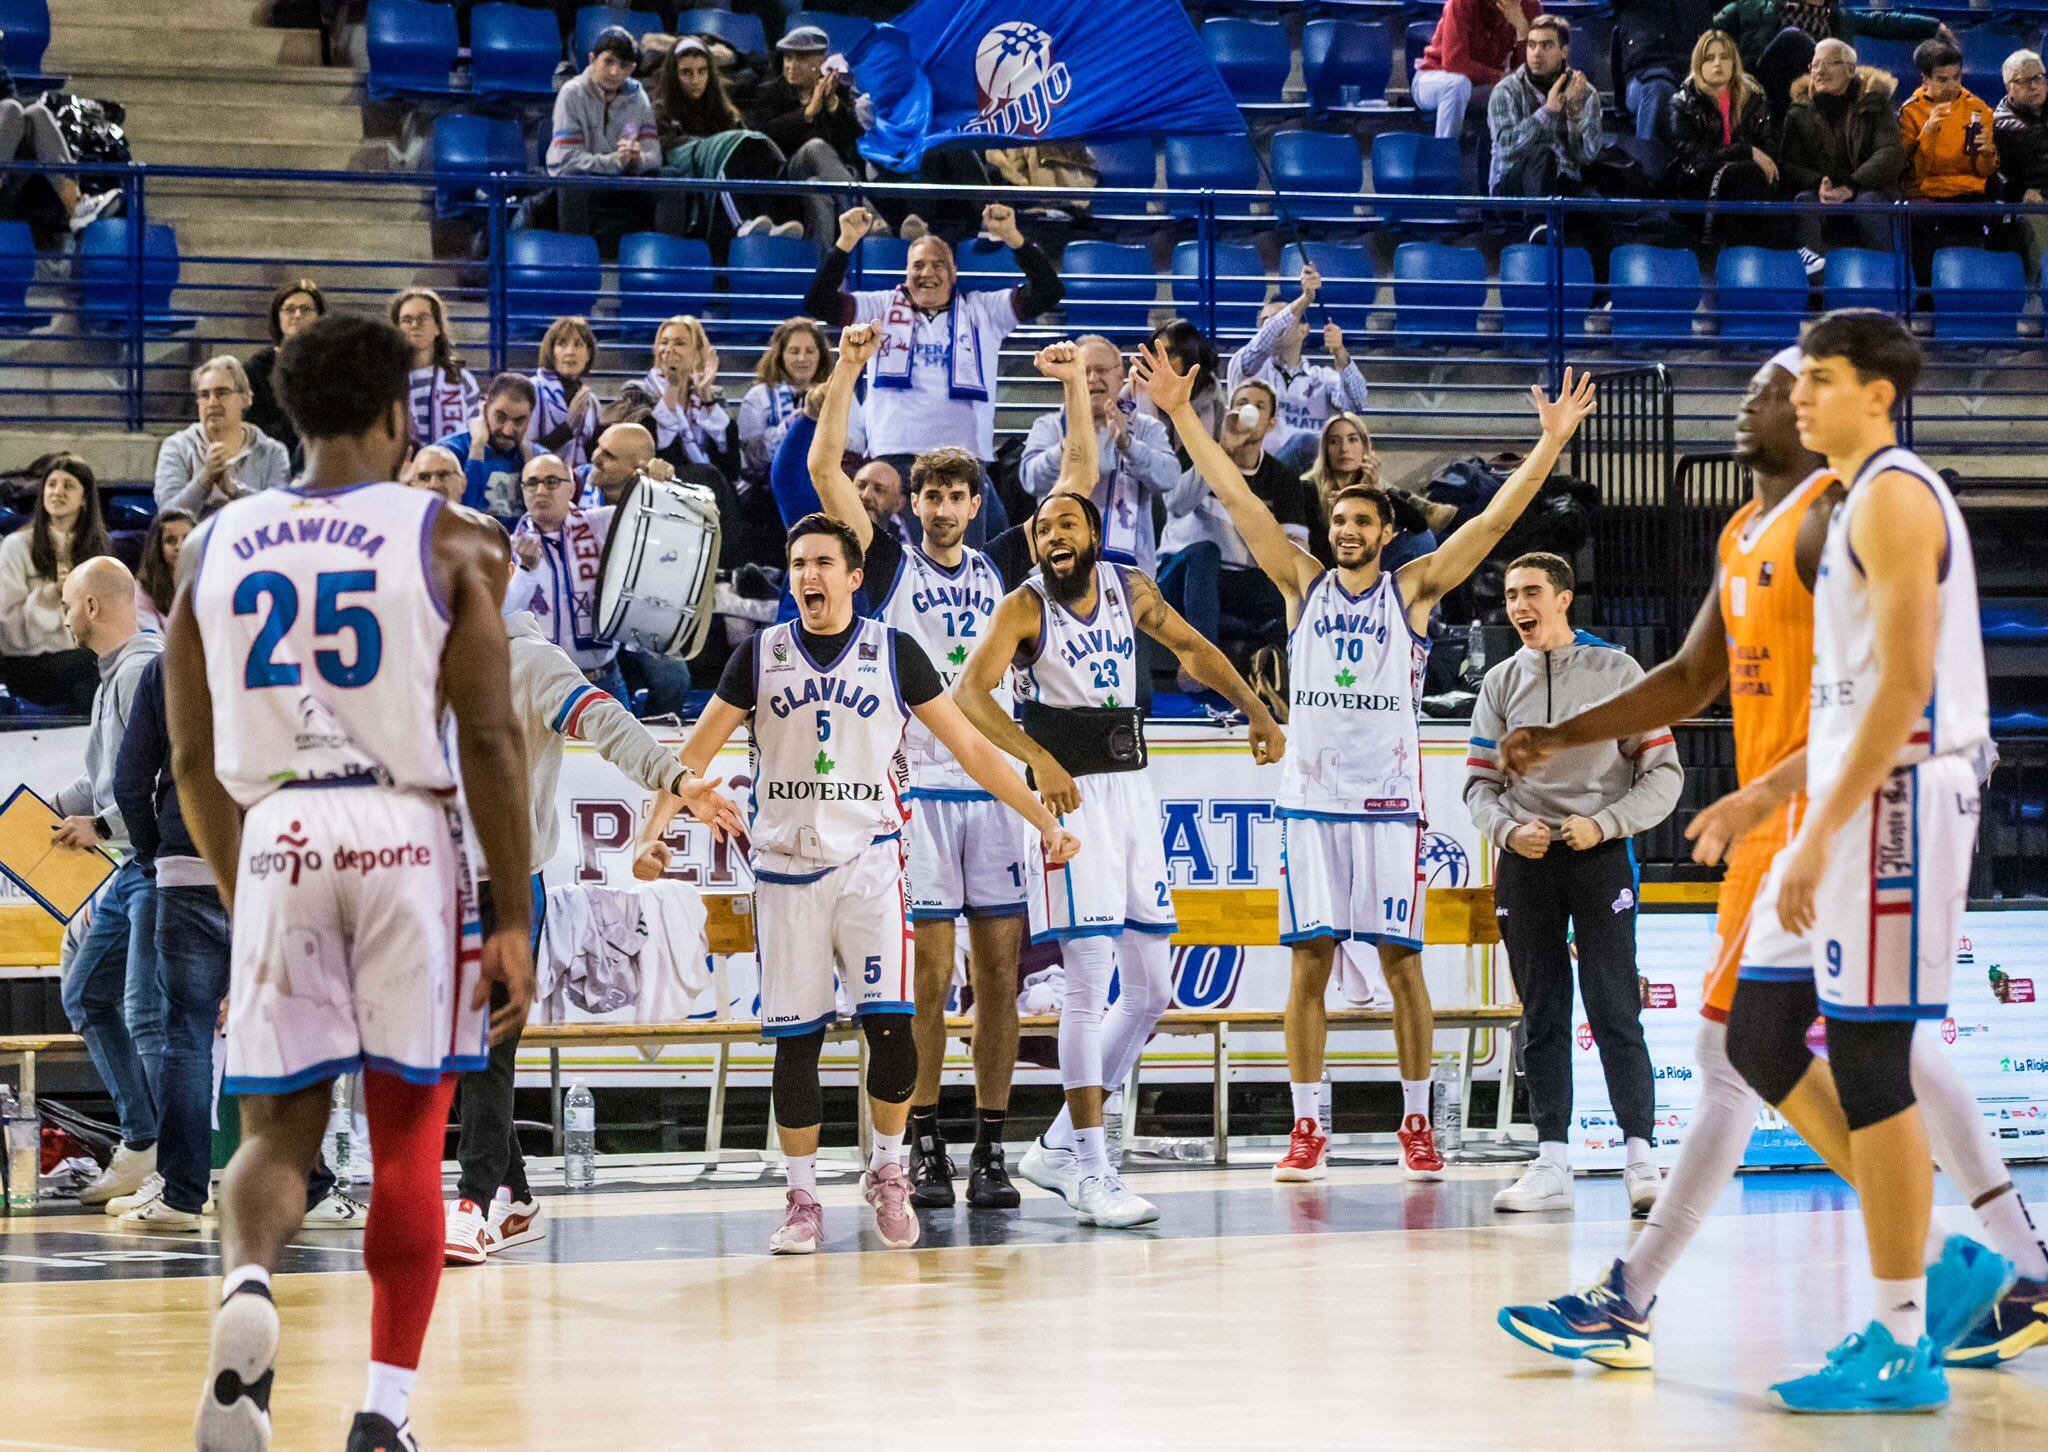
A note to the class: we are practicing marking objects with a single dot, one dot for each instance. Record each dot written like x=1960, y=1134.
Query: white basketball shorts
x=1119, y=880
x=852, y=920
x=355, y=941
x=967, y=855
x=1351, y=878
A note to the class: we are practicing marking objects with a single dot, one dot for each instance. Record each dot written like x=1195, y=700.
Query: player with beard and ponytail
x=1350, y=802
x=1071, y=632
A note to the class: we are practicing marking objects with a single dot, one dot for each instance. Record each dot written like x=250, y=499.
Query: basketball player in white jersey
x=968, y=854
x=1350, y=802
x=1071, y=632
x=829, y=696
x=323, y=632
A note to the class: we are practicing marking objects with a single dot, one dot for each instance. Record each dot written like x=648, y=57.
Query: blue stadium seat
x=1240, y=284
x=1317, y=162
x=1209, y=163
x=1438, y=292
x=844, y=31
x=986, y=265
x=1860, y=277
x=27, y=23
x=1414, y=43
x=1985, y=48
x=1254, y=58
x=591, y=20
x=1348, y=283
x=1592, y=51
x=17, y=275
x=548, y=275
x=1368, y=12
x=1110, y=287
x=105, y=275
x=412, y=49
x=468, y=143
x=2016, y=622
x=1895, y=57
x=742, y=32
x=513, y=52
x=1526, y=295
x=1978, y=295
x=1760, y=293
x=1340, y=53
x=878, y=261
x=1408, y=163
x=1131, y=164
x=1656, y=290
x=660, y=276
x=766, y=277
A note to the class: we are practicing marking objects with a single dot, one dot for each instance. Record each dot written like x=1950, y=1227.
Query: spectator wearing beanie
x=1475, y=44
x=2020, y=128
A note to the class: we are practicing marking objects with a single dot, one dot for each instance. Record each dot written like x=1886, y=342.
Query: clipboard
x=61, y=880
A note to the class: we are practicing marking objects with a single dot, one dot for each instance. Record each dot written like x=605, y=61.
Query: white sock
x=243, y=1275
x=1093, y=1148
x=802, y=1173
x=1060, y=1133
x=1307, y=1103
x=1708, y=1157
x=1902, y=1308
x=2011, y=1228
x=388, y=1391
x=1415, y=1097
x=1555, y=1153
x=1963, y=1148
x=888, y=1150
x=1638, y=1152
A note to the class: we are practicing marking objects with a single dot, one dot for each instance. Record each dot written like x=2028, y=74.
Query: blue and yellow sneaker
x=2017, y=1322
x=1963, y=1287
x=1870, y=1372
x=1599, y=1324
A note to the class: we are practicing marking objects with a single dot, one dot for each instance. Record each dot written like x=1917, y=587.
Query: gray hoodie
x=92, y=795
x=262, y=464
x=1624, y=786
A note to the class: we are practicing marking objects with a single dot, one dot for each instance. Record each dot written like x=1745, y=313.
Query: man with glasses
x=2019, y=127
x=1841, y=145
x=222, y=456
x=557, y=549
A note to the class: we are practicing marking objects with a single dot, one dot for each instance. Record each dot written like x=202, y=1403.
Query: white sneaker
x=755, y=225
x=786, y=229
x=156, y=1217
x=1057, y=1170
x=234, y=1408
x=123, y=1175
x=464, y=1244
x=152, y=1186
x=1812, y=261
x=339, y=1211
x=1543, y=1186
x=1105, y=1202
x=1643, y=1183
x=513, y=1222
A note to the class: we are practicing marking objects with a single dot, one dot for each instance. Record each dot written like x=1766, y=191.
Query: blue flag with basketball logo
x=1014, y=72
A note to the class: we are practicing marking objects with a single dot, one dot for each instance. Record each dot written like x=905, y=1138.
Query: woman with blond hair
x=444, y=394
x=1721, y=130
x=689, y=419
x=1345, y=459
x=565, y=408
x=798, y=359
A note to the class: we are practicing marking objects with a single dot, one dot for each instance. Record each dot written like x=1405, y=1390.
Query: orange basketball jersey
x=1767, y=611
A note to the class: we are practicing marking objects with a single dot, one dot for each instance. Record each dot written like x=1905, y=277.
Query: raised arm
x=828, y=446
x=1200, y=658
x=1080, y=464
x=980, y=759
x=1289, y=566
x=1012, y=630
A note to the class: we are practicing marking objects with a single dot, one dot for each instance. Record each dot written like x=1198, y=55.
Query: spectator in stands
x=156, y=578
x=223, y=456
x=1841, y=144
x=1135, y=460
x=701, y=129
x=883, y=493
x=604, y=126
x=1946, y=135
x=494, y=450
x=1190, y=351
x=808, y=111
x=444, y=393
x=690, y=423
x=2020, y=129
x=934, y=381
x=565, y=406
x=438, y=469
x=1345, y=458
x=622, y=451
x=1545, y=120
x=1654, y=45
x=52, y=205
x=1309, y=393
x=1720, y=130
x=1474, y=45
x=1779, y=37
x=39, y=661
x=558, y=547
x=292, y=307
x=798, y=358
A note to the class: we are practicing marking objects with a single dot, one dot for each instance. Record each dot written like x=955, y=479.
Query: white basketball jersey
x=323, y=630
x=1084, y=662
x=827, y=751
x=1354, y=680
x=1957, y=719
x=947, y=612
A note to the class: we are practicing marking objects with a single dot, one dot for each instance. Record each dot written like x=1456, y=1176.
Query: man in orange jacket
x=1950, y=155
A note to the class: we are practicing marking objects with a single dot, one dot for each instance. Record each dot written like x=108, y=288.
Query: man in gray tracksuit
x=1565, y=873
x=553, y=701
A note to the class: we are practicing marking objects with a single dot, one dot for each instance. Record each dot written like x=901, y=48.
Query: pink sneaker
x=802, y=1229
x=888, y=1190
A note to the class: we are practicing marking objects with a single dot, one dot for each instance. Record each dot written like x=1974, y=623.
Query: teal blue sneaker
x=1870, y=1373
x=1599, y=1324
x=1963, y=1287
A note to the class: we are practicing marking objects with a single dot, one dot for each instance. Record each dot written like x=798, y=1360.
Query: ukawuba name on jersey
x=315, y=530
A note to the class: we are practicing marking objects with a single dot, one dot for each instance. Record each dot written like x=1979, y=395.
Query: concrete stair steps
x=325, y=211
x=116, y=456
x=106, y=43
x=280, y=154
x=201, y=115
x=192, y=76
x=65, y=13
x=300, y=247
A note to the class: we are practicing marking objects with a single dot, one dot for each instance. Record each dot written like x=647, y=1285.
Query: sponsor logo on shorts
x=1585, y=1036
x=287, y=857
x=1624, y=902
x=1679, y=1072
x=382, y=859
x=1895, y=830
x=1948, y=1030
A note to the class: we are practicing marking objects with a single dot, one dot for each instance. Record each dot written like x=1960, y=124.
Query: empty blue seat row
x=549, y=274
x=1404, y=163
x=2016, y=622
x=413, y=45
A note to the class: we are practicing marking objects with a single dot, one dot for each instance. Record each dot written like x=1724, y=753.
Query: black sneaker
x=372, y=1433
x=988, y=1180
x=931, y=1173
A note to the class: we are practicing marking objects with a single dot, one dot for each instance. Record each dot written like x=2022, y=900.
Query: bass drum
x=659, y=571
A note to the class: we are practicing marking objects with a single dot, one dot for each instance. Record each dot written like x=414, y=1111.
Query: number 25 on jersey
x=331, y=620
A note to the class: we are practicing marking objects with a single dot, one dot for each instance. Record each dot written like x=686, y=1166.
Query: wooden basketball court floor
x=1355, y=1313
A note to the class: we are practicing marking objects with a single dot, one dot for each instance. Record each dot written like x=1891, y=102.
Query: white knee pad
x=1084, y=1001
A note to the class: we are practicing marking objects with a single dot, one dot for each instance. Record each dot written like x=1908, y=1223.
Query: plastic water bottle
x=1447, y=1106
x=1323, y=1109
x=21, y=1135
x=338, y=1143
x=579, y=1160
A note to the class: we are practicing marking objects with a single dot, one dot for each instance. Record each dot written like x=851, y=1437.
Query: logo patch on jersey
x=1344, y=677
x=1764, y=572
x=823, y=765
x=957, y=655
x=318, y=730
x=782, y=652
x=867, y=650
x=1626, y=901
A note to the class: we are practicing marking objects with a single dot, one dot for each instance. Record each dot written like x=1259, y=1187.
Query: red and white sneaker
x=465, y=1243
x=513, y=1222
x=1419, y=1159
x=1307, y=1157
